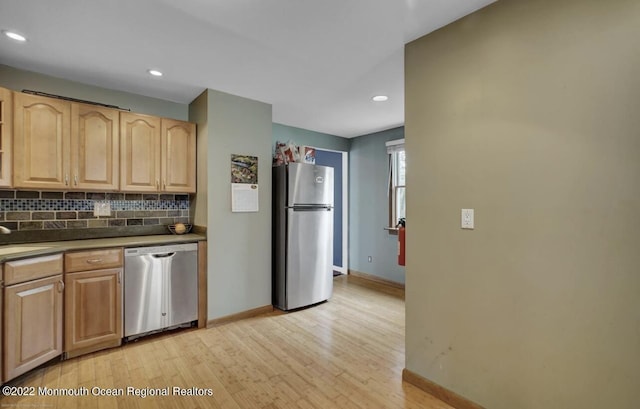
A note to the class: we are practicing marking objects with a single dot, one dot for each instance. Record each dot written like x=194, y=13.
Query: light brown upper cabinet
x=178, y=156
x=6, y=120
x=41, y=142
x=139, y=153
x=157, y=155
x=60, y=145
x=63, y=145
x=95, y=140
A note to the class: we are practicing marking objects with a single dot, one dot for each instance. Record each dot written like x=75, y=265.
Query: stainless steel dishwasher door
x=160, y=287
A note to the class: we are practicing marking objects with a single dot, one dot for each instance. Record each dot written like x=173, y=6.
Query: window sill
x=392, y=230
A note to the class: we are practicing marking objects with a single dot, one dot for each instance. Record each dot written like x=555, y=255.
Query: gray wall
x=527, y=111
x=369, y=207
x=285, y=133
x=17, y=80
x=239, y=244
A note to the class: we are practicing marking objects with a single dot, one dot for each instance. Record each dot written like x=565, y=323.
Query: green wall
x=285, y=133
x=239, y=244
x=199, y=114
x=369, y=207
x=17, y=80
x=526, y=111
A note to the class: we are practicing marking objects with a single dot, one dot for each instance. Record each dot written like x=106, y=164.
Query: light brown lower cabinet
x=32, y=324
x=93, y=311
x=92, y=301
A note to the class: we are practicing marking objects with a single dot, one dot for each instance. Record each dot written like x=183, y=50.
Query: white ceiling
x=317, y=62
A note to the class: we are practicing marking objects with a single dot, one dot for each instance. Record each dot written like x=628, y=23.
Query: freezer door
x=309, y=272
x=310, y=184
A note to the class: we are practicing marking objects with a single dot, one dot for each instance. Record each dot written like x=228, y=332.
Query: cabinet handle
x=60, y=286
x=75, y=180
x=94, y=260
x=164, y=184
x=66, y=180
x=119, y=276
x=157, y=184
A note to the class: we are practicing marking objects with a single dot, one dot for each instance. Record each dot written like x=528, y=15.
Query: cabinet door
x=93, y=308
x=95, y=139
x=6, y=119
x=140, y=153
x=32, y=324
x=178, y=156
x=41, y=142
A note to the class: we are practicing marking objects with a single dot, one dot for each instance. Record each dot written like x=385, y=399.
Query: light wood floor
x=346, y=353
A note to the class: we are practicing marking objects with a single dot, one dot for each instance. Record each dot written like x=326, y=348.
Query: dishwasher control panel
x=170, y=248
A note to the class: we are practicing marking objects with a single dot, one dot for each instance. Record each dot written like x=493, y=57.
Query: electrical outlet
x=101, y=209
x=467, y=219
x=369, y=259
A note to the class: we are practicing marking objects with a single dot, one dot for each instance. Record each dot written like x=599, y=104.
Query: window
x=397, y=181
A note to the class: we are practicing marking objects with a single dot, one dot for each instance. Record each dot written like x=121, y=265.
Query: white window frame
x=393, y=148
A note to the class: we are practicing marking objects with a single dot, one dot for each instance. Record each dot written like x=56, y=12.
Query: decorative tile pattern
x=35, y=205
x=32, y=210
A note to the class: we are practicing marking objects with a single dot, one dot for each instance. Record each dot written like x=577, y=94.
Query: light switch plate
x=101, y=209
x=467, y=219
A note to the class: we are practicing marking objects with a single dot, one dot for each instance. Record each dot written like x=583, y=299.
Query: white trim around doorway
x=345, y=210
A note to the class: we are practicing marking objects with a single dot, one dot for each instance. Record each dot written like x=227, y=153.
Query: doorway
x=339, y=161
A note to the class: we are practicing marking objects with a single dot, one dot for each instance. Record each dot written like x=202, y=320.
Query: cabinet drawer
x=93, y=260
x=19, y=271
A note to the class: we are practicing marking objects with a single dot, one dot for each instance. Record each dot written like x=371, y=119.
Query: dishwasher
x=160, y=288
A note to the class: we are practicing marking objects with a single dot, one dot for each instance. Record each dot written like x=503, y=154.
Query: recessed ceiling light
x=14, y=36
x=155, y=73
x=380, y=98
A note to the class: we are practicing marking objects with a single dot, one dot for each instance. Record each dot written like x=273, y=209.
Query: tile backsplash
x=31, y=210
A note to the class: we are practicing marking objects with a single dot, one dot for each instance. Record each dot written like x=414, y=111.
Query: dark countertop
x=17, y=251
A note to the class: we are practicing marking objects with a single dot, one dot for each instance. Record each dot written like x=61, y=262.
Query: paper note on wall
x=244, y=197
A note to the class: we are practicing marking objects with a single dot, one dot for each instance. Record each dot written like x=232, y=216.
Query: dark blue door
x=334, y=160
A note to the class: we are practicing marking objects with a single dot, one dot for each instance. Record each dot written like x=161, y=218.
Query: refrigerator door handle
x=309, y=208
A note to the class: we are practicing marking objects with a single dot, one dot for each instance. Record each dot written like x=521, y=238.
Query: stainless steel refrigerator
x=302, y=235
